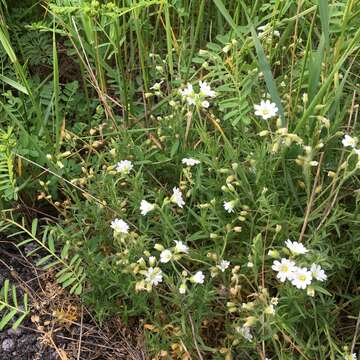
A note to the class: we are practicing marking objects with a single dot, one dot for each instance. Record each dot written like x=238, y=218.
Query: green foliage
x=96, y=83
x=69, y=270
x=37, y=48
x=11, y=309
x=8, y=188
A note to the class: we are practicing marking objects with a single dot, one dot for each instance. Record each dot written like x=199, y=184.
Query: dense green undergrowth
x=191, y=167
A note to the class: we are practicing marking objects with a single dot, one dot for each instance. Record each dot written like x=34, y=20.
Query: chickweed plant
x=205, y=171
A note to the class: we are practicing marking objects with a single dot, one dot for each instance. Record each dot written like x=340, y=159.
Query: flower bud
x=274, y=254
x=310, y=291
x=250, y=321
x=152, y=260
x=263, y=133
x=158, y=247
x=305, y=98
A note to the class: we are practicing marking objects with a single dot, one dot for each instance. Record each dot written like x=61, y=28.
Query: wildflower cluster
x=198, y=99
x=299, y=276
x=149, y=266
x=252, y=314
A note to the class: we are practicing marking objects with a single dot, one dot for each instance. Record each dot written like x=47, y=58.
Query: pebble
x=16, y=332
x=8, y=344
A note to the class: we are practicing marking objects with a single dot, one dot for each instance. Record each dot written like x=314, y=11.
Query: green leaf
x=25, y=301
x=19, y=321
x=43, y=260
x=14, y=84
x=65, y=251
x=14, y=296
x=51, y=265
x=7, y=318
x=51, y=243
x=64, y=277
x=5, y=290
x=78, y=289
x=174, y=147
x=68, y=282
x=34, y=227
x=324, y=18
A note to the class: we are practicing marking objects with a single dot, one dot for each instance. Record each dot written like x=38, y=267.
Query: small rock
x=8, y=344
x=16, y=332
x=29, y=248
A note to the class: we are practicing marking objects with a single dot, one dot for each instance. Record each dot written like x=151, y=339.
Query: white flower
x=146, y=207
x=349, y=141
x=301, y=278
x=190, y=161
x=245, y=332
x=188, y=94
x=229, y=206
x=295, y=247
x=188, y=91
x=274, y=301
x=165, y=256
x=317, y=272
x=223, y=265
x=141, y=261
x=124, y=167
x=180, y=247
x=226, y=48
x=182, y=288
x=285, y=268
x=350, y=357
x=270, y=310
x=205, y=104
x=265, y=28
x=266, y=109
x=357, y=152
x=177, y=197
x=153, y=276
x=198, y=278
x=205, y=90
x=120, y=226
x=156, y=86
x=191, y=100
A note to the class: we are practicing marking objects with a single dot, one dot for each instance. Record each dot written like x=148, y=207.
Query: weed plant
x=202, y=159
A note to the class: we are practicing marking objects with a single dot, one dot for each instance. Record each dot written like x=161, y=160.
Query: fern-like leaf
x=70, y=272
x=10, y=307
x=8, y=189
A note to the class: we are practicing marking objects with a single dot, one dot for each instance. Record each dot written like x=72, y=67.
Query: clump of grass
x=209, y=186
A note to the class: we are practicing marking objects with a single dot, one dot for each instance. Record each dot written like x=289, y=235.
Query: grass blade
x=324, y=18
x=265, y=68
x=14, y=84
